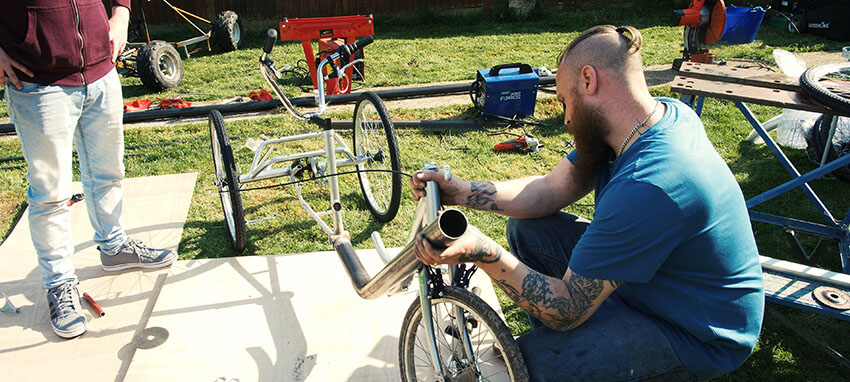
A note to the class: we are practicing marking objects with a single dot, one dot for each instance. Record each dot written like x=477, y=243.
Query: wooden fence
x=157, y=12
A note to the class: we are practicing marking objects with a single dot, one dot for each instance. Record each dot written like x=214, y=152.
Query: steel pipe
x=448, y=227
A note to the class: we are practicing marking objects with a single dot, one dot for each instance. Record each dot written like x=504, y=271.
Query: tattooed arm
x=562, y=304
x=528, y=197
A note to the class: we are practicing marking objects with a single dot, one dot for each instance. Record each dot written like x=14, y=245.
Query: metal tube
x=450, y=225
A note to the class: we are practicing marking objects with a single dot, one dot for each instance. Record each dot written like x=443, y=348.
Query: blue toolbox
x=508, y=91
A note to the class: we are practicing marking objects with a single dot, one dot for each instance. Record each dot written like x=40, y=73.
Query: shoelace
x=140, y=249
x=64, y=300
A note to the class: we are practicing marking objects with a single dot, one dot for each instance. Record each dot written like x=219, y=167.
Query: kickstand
x=8, y=307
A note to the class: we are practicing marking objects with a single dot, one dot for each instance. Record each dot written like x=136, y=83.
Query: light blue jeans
x=617, y=343
x=50, y=121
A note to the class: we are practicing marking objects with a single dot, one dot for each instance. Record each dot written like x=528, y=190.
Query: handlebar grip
x=271, y=36
x=348, y=50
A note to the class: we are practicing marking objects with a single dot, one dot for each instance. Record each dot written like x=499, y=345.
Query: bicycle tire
x=833, y=94
x=499, y=360
x=227, y=181
x=816, y=143
x=381, y=189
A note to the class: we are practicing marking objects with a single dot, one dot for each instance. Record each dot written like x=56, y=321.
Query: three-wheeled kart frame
x=158, y=64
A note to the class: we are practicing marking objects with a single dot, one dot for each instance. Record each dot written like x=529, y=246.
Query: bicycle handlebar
x=271, y=36
x=348, y=50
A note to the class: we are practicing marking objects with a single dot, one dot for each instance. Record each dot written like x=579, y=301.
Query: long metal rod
x=448, y=227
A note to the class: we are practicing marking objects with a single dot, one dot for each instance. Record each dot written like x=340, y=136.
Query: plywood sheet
x=275, y=318
x=155, y=209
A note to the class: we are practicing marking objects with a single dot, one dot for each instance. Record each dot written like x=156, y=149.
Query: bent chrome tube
x=449, y=226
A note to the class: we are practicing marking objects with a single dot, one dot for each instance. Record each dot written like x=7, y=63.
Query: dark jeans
x=617, y=343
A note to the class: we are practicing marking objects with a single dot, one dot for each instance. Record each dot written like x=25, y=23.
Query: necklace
x=637, y=126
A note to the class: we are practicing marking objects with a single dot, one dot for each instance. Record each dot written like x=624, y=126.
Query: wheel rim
x=167, y=66
x=221, y=183
x=372, y=143
x=488, y=365
x=237, y=33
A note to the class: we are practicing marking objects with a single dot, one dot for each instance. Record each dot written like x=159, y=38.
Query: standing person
x=57, y=64
x=664, y=282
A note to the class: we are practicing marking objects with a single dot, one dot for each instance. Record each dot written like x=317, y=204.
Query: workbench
x=785, y=282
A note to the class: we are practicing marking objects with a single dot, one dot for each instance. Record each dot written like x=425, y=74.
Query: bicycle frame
x=262, y=166
x=439, y=229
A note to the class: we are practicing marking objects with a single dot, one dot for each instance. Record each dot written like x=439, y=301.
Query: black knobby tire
x=228, y=31
x=374, y=136
x=816, y=143
x=829, y=84
x=494, y=348
x=159, y=66
x=227, y=181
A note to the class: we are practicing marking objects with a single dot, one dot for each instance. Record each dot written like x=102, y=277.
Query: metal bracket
x=8, y=307
x=463, y=275
x=435, y=278
x=800, y=252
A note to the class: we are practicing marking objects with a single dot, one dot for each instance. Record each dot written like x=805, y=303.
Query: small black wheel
x=495, y=354
x=829, y=84
x=816, y=143
x=159, y=66
x=227, y=181
x=797, y=24
x=227, y=30
x=375, y=139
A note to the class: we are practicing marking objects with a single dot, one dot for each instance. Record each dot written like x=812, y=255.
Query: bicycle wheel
x=374, y=137
x=829, y=84
x=496, y=354
x=227, y=180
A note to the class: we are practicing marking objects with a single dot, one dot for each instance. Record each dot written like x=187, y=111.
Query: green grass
x=421, y=50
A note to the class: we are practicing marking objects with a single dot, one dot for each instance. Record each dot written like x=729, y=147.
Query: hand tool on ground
x=93, y=304
x=76, y=198
x=525, y=143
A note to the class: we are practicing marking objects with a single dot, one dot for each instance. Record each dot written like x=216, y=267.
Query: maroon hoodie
x=64, y=42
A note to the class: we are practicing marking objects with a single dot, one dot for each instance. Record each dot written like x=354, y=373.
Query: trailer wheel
x=159, y=66
x=227, y=31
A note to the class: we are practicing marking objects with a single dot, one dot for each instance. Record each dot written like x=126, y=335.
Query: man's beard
x=589, y=130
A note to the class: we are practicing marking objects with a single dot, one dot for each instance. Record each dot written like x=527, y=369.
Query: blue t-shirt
x=671, y=223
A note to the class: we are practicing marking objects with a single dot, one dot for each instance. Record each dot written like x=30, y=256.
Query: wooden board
x=155, y=209
x=792, y=284
x=254, y=318
x=732, y=74
x=275, y=318
x=749, y=94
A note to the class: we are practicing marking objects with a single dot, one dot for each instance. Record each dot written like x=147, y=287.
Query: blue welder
x=506, y=91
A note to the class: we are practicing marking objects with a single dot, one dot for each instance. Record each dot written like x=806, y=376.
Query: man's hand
x=472, y=247
x=6, y=70
x=118, y=30
x=451, y=191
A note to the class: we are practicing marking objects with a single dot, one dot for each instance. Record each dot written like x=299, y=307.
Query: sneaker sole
x=121, y=267
x=68, y=334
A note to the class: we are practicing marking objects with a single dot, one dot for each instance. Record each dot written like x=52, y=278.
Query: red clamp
x=137, y=105
x=262, y=95
x=173, y=103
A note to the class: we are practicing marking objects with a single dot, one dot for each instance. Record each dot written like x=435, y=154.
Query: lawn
x=423, y=50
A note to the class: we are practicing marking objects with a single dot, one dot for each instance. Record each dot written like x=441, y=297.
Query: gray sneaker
x=66, y=313
x=134, y=254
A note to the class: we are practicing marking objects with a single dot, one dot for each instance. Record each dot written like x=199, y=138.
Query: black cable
x=316, y=178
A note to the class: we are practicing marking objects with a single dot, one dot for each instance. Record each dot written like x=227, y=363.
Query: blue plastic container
x=742, y=24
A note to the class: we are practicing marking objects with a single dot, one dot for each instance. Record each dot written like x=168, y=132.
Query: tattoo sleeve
x=480, y=196
x=538, y=297
x=485, y=251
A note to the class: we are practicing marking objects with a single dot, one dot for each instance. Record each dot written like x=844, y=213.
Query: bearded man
x=665, y=282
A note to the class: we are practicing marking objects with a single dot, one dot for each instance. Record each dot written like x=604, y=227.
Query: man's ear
x=588, y=80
